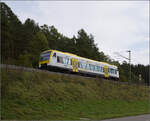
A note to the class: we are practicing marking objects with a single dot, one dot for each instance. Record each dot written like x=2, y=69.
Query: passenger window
x=79, y=64
x=60, y=59
x=87, y=66
x=108, y=70
x=99, y=69
x=102, y=69
x=84, y=65
x=94, y=67
x=70, y=61
x=90, y=68
x=112, y=71
x=66, y=61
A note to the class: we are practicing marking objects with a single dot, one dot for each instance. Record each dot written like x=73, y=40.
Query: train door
x=106, y=71
x=74, y=65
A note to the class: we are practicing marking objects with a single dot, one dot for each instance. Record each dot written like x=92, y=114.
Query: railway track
x=5, y=66
x=14, y=67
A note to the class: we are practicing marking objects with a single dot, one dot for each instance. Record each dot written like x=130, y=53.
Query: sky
x=117, y=26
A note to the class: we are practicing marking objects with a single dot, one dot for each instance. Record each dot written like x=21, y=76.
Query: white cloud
x=116, y=26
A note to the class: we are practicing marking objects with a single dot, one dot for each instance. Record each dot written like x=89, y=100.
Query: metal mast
x=129, y=51
x=129, y=64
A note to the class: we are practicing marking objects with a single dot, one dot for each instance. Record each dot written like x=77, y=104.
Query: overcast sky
x=117, y=26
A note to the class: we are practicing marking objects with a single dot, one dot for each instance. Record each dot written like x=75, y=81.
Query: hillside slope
x=39, y=96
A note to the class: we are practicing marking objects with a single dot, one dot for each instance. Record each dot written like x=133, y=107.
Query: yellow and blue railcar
x=62, y=61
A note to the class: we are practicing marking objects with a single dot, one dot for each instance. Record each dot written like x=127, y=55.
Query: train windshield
x=45, y=56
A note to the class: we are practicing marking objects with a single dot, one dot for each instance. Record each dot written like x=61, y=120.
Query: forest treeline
x=22, y=43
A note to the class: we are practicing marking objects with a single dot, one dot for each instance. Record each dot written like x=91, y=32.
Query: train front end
x=44, y=60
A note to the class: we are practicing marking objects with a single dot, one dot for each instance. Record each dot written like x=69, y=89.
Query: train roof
x=79, y=57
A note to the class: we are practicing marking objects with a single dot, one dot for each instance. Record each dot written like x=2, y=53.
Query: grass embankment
x=41, y=96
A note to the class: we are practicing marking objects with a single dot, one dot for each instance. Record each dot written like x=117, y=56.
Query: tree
x=87, y=48
x=30, y=28
x=52, y=35
x=38, y=44
x=9, y=33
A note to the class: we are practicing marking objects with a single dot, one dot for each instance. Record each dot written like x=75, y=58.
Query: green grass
x=43, y=96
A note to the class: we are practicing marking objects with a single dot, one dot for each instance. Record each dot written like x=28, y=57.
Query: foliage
x=38, y=44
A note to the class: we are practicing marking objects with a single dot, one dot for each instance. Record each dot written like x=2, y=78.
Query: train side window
x=84, y=65
x=98, y=68
x=68, y=61
x=94, y=68
x=60, y=59
x=113, y=71
x=102, y=69
x=108, y=70
x=79, y=64
x=89, y=67
x=64, y=60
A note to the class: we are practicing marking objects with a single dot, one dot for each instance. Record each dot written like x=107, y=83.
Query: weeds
x=40, y=96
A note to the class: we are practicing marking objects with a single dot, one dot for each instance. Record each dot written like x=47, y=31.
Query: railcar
x=62, y=61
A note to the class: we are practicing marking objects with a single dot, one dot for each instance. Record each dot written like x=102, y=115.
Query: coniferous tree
x=38, y=44
x=10, y=34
